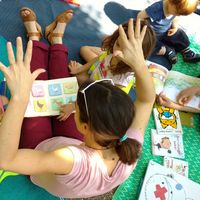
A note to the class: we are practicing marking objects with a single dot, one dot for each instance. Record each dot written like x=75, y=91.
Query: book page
x=176, y=82
x=46, y=96
x=159, y=74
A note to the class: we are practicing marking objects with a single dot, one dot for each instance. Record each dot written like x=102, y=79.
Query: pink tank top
x=89, y=175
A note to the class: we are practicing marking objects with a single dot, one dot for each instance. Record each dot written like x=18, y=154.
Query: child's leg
x=37, y=129
x=58, y=68
x=90, y=52
x=180, y=42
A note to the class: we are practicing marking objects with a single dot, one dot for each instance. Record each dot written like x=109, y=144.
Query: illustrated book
x=167, y=145
x=167, y=120
x=47, y=96
x=179, y=166
x=161, y=183
x=171, y=83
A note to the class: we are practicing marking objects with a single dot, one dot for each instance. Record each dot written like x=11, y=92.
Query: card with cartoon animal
x=167, y=145
x=167, y=120
x=179, y=166
x=46, y=96
x=171, y=83
x=161, y=183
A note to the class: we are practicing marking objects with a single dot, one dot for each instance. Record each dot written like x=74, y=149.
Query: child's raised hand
x=130, y=51
x=65, y=111
x=74, y=67
x=18, y=75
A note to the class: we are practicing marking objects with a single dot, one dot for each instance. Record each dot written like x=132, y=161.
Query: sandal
x=61, y=18
x=31, y=17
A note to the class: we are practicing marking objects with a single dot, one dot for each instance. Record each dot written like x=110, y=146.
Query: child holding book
x=100, y=62
x=112, y=137
x=163, y=18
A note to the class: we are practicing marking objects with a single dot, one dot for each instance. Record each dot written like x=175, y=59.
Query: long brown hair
x=148, y=45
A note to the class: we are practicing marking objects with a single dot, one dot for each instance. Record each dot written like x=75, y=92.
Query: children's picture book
x=47, y=96
x=171, y=83
x=167, y=120
x=179, y=166
x=161, y=183
x=167, y=145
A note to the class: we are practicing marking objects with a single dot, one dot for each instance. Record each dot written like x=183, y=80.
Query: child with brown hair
x=101, y=63
x=163, y=18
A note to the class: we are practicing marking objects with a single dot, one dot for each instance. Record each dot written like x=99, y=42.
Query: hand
x=186, y=95
x=130, y=51
x=164, y=101
x=65, y=111
x=171, y=31
x=18, y=75
x=74, y=67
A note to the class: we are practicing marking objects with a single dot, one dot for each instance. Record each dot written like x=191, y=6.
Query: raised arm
x=131, y=53
x=19, y=79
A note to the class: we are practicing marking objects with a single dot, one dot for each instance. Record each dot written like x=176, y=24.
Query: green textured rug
x=130, y=189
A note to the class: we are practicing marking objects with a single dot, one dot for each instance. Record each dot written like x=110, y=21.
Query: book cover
x=167, y=145
x=161, y=183
x=179, y=166
x=167, y=120
x=171, y=83
x=46, y=96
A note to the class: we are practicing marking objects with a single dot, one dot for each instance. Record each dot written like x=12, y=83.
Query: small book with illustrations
x=167, y=120
x=161, y=183
x=167, y=145
x=47, y=96
x=179, y=166
x=171, y=83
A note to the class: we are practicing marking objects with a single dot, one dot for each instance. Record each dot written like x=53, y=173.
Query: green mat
x=130, y=189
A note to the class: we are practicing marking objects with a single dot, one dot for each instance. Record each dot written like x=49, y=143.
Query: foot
x=32, y=27
x=55, y=31
x=170, y=53
x=190, y=56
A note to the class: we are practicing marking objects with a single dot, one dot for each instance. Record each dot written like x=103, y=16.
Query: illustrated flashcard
x=167, y=145
x=47, y=96
x=54, y=89
x=167, y=120
x=161, y=183
x=40, y=105
x=55, y=103
x=179, y=166
x=38, y=90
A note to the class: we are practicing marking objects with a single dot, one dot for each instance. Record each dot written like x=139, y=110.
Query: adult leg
x=58, y=62
x=37, y=129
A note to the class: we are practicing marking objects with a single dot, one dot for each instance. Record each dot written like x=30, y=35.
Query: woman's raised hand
x=130, y=51
x=18, y=75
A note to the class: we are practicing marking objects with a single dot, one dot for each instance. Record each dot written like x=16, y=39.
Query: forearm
x=10, y=129
x=144, y=84
x=175, y=23
x=87, y=66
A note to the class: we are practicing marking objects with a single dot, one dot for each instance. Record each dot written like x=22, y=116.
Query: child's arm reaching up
x=131, y=53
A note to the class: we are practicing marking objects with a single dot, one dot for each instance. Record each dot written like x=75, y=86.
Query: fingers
x=28, y=54
x=137, y=28
x=123, y=41
x=20, y=53
x=11, y=56
x=130, y=29
x=37, y=72
x=4, y=69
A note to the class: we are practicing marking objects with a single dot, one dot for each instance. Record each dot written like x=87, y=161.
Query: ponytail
x=128, y=151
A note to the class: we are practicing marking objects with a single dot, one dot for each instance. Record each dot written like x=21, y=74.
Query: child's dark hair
x=148, y=45
x=111, y=112
x=184, y=7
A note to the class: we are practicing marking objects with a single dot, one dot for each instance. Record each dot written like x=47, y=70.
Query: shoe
x=61, y=18
x=31, y=17
x=171, y=55
x=190, y=56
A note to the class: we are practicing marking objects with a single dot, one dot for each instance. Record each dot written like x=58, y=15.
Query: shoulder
x=155, y=11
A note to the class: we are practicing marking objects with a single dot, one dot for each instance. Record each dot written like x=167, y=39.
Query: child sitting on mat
x=101, y=63
x=163, y=18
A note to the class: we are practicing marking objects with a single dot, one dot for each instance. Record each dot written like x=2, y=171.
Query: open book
x=161, y=183
x=171, y=83
x=47, y=96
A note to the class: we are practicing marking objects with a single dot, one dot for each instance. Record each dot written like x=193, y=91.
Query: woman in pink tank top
x=111, y=124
